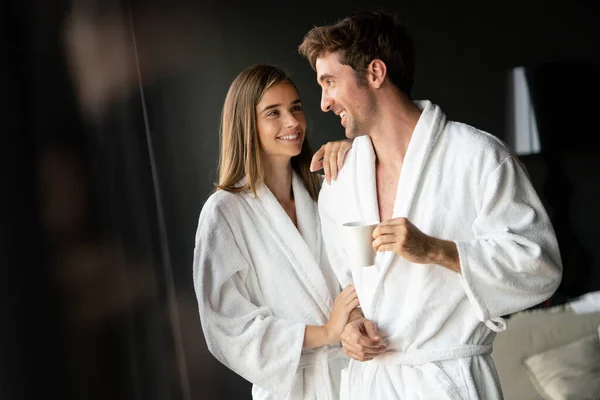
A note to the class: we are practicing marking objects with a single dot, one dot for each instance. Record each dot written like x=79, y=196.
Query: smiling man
x=463, y=238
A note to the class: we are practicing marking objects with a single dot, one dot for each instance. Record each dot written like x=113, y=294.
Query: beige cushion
x=570, y=371
x=532, y=332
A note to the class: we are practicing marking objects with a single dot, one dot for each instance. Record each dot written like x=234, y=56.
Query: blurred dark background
x=110, y=115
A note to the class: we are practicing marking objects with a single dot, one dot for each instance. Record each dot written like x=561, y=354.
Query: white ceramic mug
x=358, y=242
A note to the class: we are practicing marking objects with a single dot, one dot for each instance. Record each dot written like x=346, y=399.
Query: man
x=464, y=239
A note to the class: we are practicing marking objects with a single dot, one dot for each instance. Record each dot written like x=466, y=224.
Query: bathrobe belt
x=425, y=359
x=320, y=359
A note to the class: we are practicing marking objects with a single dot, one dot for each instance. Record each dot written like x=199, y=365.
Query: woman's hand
x=345, y=302
x=330, y=158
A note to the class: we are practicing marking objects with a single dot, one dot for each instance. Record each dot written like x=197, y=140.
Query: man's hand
x=402, y=237
x=361, y=341
x=330, y=158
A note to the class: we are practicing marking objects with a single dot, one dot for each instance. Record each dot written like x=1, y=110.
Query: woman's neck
x=278, y=178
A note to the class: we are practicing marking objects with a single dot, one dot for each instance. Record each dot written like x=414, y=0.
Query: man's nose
x=326, y=102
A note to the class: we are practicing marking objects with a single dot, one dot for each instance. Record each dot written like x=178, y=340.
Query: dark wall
x=565, y=172
x=29, y=361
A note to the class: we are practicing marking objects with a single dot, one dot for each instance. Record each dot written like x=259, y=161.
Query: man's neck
x=398, y=117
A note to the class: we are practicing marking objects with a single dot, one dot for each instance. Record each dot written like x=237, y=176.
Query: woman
x=264, y=286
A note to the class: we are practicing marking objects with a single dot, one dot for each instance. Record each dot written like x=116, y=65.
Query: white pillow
x=531, y=332
x=568, y=372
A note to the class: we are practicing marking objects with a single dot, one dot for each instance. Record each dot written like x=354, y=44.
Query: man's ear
x=376, y=73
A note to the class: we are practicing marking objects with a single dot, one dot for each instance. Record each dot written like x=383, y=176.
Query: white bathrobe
x=460, y=184
x=259, y=281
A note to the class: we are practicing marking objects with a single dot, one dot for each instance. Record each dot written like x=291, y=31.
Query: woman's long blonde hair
x=240, y=146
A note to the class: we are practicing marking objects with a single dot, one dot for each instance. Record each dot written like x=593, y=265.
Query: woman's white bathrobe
x=457, y=183
x=259, y=281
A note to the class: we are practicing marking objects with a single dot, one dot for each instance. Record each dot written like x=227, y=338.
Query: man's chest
x=387, y=188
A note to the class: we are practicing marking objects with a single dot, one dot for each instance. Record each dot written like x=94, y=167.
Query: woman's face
x=280, y=122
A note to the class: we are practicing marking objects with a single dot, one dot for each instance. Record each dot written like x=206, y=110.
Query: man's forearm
x=445, y=253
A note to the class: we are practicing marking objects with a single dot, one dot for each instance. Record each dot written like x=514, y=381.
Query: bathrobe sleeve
x=513, y=262
x=244, y=336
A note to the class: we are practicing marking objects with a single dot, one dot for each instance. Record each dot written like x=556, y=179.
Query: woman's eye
x=297, y=108
x=273, y=113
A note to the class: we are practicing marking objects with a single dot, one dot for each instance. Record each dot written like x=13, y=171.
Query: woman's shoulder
x=223, y=200
x=221, y=205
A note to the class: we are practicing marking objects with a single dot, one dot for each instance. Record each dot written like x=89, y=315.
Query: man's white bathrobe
x=457, y=183
x=259, y=281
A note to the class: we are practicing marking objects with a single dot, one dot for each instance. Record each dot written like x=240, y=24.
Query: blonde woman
x=271, y=308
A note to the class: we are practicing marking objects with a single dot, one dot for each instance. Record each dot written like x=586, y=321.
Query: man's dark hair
x=362, y=37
